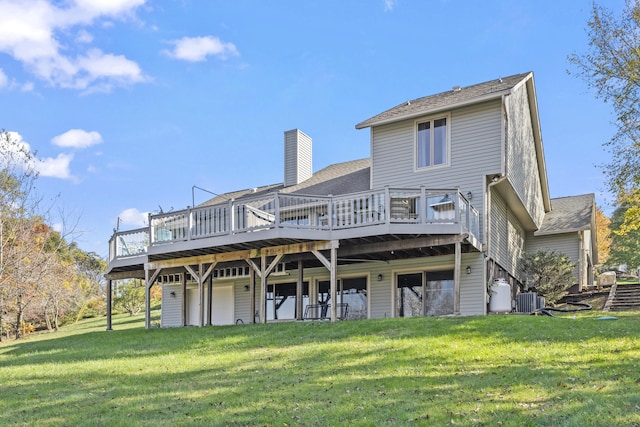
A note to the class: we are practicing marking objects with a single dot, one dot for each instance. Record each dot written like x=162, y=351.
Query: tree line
x=611, y=67
x=45, y=280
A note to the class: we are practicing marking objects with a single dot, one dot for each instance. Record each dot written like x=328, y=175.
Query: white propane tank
x=500, y=301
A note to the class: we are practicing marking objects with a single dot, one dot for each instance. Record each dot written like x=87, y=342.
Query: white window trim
x=432, y=118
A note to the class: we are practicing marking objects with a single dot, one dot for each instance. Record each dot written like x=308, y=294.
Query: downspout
x=496, y=179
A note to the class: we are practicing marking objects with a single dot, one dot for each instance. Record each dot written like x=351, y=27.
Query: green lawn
x=494, y=370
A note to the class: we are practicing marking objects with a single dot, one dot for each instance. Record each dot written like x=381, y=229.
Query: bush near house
x=550, y=274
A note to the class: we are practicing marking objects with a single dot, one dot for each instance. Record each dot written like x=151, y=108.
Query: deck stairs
x=624, y=298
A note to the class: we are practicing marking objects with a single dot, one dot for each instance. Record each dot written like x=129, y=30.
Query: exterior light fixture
x=468, y=269
x=469, y=195
x=173, y=294
x=246, y=288
x=379, y=277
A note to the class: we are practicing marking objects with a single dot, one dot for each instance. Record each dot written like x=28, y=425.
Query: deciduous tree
x=611, y=67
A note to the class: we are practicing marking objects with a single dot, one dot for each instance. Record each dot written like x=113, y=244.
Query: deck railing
x=280, y=210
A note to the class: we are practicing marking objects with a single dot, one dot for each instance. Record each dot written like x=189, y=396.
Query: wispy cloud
x=33, y=33
x=77, y=138
x=196, y=49
x=133, y=217
x=389, y=5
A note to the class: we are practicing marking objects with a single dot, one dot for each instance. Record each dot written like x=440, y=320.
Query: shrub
x=549, y=274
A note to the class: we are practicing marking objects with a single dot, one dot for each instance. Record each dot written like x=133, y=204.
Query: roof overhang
x=427, y=111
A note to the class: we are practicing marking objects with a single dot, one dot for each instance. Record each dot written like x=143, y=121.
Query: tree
x=130, y=296
x=625, y=239
x=612, y=68
x=550, y=274
x=36, y=268
x=603, y=236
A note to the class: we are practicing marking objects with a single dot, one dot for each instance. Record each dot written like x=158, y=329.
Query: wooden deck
x=418, y=211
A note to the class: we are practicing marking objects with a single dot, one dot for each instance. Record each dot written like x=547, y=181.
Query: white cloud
x=33, y=33
x=4, y=80
x=134, y=217
x=195, y=49
x=84, y=37
x=388, y=5
x=57, y=167
x=77, y=138
x=16, y=151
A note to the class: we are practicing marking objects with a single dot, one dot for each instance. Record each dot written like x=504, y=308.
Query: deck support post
x=252, y=294
x=184, y=299
x=331, y=265
x=263, y=288
x=209, y=299
x=147, y=300
x=456, y=279
x=109, y=303
x=299, y=286
x=334, y=283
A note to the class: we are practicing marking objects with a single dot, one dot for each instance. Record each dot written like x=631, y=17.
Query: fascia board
x=415, y=114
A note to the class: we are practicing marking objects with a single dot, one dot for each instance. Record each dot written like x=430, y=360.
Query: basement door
x=222, y=305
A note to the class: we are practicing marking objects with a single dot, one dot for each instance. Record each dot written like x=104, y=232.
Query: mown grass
x=494, y=370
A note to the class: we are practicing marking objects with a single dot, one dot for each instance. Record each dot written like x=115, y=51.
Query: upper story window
x=432, y=142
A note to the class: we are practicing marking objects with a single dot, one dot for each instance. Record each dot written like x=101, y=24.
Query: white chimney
x=297, y=157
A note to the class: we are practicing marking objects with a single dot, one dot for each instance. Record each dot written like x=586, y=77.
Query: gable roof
x=568, y=214
x=456, y=97
x=336, y=179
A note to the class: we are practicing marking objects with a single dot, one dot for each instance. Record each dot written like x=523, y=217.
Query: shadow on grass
x=398, y=371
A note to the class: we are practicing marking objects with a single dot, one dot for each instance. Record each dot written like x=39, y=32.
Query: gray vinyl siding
x=521, y=159
x=475, y=146
x=171, y=312
x=517, y=237
x=507, y=243
x=472, y=286
x=499, y=239
x=565, y=243
x=297, y=157
x=473, y=289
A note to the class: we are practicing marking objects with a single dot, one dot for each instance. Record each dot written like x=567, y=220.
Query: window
x=429, y=293
x=432, y=143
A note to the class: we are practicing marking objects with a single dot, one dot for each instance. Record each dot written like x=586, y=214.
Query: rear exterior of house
x=452, y=195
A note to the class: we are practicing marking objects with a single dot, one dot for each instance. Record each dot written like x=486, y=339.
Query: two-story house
x=454, y=192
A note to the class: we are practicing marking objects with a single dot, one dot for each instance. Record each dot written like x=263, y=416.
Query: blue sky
x=130, y=103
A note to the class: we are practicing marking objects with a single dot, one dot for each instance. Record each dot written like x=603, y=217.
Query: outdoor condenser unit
x=527, y=302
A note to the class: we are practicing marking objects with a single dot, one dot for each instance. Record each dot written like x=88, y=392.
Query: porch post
x=209, y=299
x=299, y=286
x=252, y=294
x=263, y=288
x=184, y=298
x=456, y=279
x=147, y=299
x=334, y=283
x=109, y=303
x=201, y=291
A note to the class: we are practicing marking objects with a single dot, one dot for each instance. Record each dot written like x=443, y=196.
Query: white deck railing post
x=387, y=204
x=232, y=217
x=276, y=203
x=423, y=205
x=152, y=237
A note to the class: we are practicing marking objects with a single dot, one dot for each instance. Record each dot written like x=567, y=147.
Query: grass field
x=485, y=371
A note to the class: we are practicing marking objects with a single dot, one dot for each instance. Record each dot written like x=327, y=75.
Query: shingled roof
x=452, y=98
x=339, y=178
x=568, y=214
